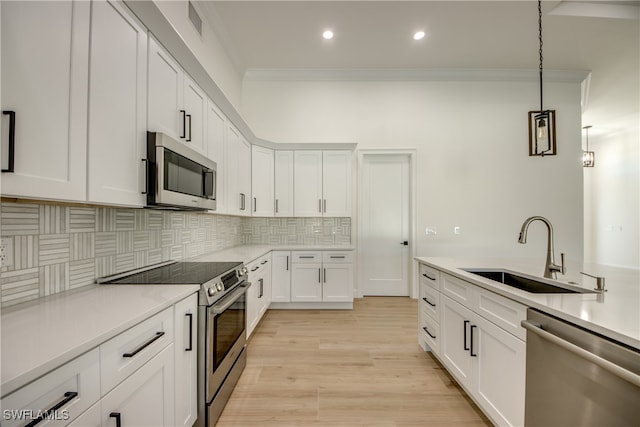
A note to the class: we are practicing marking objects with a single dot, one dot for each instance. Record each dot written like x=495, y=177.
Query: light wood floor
x=360, y=367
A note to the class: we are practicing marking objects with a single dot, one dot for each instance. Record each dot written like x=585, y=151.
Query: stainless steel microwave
x=178, y=177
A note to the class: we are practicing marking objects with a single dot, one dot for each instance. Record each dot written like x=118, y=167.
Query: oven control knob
x=211, y=291
x=220, y=287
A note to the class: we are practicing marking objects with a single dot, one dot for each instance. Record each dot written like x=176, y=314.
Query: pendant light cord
x=540, y=38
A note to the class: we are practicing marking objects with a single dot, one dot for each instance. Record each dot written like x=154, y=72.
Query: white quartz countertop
x=249, y=253
x=615, y=313
x=41, y=335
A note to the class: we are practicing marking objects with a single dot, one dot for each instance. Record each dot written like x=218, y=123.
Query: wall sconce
x=588, y=157
x=542, y=123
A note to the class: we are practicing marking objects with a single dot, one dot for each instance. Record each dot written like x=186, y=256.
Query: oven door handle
x=228, y=301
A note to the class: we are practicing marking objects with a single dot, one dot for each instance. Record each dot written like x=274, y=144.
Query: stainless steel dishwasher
x=577, y=378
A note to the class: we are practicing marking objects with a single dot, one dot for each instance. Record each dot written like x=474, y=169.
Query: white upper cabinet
x=336, y=183
x=308, y=183
x=238, y=173
x=283, y=183
x=177, y=106
x=195, y=106
x=322, y=183
x=117, y=106
x=216, y=124
x=165, y=92
x=45, y=49
x=262, y=175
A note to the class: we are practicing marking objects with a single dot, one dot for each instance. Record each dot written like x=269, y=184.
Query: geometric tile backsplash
x=58, y=247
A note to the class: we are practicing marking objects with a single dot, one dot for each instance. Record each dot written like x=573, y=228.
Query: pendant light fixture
x=542, y=124
x=588, y=157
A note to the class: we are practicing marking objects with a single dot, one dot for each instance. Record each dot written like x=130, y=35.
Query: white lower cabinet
x=486, y=354
x=321, y=276
x=281, y=276
x=259, y=294
x=144, y=376
x=186, y=361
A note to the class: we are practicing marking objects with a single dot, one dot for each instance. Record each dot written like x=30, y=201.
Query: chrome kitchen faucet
x=550, y=268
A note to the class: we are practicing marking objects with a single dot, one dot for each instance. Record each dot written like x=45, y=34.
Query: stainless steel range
x=221, y=324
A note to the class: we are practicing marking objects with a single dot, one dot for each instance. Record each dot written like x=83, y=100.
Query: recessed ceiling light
x=418, y=35
x=327, y=35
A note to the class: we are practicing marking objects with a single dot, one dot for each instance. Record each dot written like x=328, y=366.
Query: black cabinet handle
x=429, y=333
x=189, y=139
x=190, y=347
x=184, y=124
x=319, y=278
x=471, y=346
x=242, y=202
x=264, y=262
x=255, y=204
x=324, y=275
x=255, y=268
x=306, y=256
x=324, y=202
x=466, y=322
x=12, y=141
x=337, y=257
x=146, y=176
x=428, y=277
x=276, y=205
x=428, y=302
x=320, y=205
x=68, y=397
x=143, y=346
x=261, y=281
x=118, y=418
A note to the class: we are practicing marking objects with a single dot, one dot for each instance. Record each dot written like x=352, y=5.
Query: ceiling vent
x=195, y=18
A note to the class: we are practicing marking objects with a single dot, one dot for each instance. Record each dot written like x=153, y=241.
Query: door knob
x=406, y=243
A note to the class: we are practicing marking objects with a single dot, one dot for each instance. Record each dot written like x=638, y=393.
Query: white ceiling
x=378, y=34
x=596, y=36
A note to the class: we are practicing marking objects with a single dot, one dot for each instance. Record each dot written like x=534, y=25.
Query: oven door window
x=186, y=176
x=229, y=325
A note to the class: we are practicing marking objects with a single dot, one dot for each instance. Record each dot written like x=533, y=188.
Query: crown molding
x=417, y=74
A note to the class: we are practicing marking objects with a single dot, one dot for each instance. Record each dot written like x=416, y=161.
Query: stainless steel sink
x=525, y=283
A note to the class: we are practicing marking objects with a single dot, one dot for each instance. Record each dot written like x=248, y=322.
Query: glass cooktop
x=179, y=273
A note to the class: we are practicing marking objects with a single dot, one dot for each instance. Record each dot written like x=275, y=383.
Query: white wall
x=471, y=138
x=612, y=203
x=207, y=48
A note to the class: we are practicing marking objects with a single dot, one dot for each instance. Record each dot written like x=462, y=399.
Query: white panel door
x=385, y=225
x=337, y=283
x=145, y=399
x=262, y=176
x=195, y=105
x=336, y=183
x=455, y=343
x=186, y=361
x=45, y=49
x=283, y=183
x=165, y=92
x=216, y=123
x=307, y=170
x=281, y=276
x=306, y=283
x=117, y=106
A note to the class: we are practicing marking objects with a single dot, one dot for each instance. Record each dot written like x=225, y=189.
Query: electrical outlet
x=457, y=230
x=6, y=252
x=431, y=230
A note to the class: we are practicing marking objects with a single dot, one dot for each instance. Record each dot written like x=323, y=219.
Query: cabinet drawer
x=457, y=289
x=77, y=383
x=257, y=266
x=125, y=353
x=430, y=301
x=503, y=312
x=430, y=332
x=336, y=257
x=430, y=276
x=300, y=257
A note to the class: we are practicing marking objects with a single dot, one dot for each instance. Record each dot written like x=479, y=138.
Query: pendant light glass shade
x=588, y=157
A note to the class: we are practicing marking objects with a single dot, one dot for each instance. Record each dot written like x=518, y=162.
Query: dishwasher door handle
x=587, y=355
